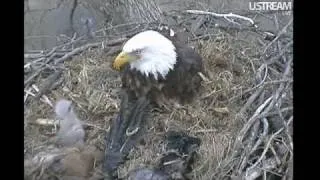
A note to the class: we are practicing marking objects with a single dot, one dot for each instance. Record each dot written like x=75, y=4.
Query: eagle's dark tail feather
x=125, y=131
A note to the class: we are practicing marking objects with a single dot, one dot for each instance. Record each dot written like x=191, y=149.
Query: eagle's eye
x=138, y=52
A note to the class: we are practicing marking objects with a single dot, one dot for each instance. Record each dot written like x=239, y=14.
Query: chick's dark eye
x=69, y=108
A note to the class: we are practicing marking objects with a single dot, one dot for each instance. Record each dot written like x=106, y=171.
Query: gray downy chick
x=71, y=131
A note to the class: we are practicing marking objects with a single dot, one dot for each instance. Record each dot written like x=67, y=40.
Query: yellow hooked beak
x=122, y=59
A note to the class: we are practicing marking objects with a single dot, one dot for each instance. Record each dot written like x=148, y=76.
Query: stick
x=76, y=51
x=263, y=84
x=28, y=92
x=263, y=135
x=82, y=48
x=26, y=56
x=47, y=85
x=116, y=41
x=33, y=76
x=267, y=103
x=275, y=58
x=204, y=131
x=268, y=165
x=250, y=141
x=52, y=122
x=284, y=29
x=251, y=121
x=250, y=100
x=284, y=76
x=265, y=150
x=35, y=61
x=43, y=98
x=95, y=126
x=288, y=134
x=226, y=16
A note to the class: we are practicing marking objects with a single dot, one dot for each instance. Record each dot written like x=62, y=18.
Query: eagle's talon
x=132, y=132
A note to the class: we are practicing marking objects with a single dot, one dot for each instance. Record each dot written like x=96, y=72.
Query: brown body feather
x=181, y=83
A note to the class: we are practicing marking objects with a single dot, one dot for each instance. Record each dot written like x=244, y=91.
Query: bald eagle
x=154, y=63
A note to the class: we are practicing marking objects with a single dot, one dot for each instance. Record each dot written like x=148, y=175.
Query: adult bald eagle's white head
x=157, y=64
x=148, y=52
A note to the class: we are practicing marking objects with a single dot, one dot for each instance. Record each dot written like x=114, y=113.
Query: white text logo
x=270, y=6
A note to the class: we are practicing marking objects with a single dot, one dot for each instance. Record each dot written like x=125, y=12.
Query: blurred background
x=50, y=22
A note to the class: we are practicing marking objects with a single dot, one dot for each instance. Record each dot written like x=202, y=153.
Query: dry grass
x=240, y=114
x=93, y=86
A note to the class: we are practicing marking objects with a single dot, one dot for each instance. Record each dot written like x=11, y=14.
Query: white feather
x=158, y=54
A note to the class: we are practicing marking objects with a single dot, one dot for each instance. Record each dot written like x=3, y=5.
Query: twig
x=251, y=140
x=33, y=75
x=279, y=81
x=267, y=166
x=48, y=84
x=263, y=84
x=204, y=131
x=256, y=145
x=82, y=48
x=41, y=68
x=276, y=22
x=278, y=27
x=254, y=132
x=284, y=76
x=263, y=135
x=263, y=115
x=205, y=36
x=276, y=96
x=76, y=51
x=33, y=62
x=265, y=66
x=28, y=92
x=121, y=25
x=288, y=134
x=289, y=121
x=226, y=16
x=95, y=126
x=251, y=121
x=116, y=41
x=43, y=98
x=281, y=53
x=71, y=42
x=52, y=122
x=284, y=30
x=250, y=101
x=113, y=50
x=40, y=55
x=265, y=150
x=197, y=23
x=275, y=155
x=41, y=51
x=211, y=93
x=203, y=77
x=46, y=122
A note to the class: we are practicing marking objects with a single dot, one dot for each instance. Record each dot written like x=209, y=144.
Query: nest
x=243, y=113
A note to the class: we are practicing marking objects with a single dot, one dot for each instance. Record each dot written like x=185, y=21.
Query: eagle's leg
x=166, y=104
